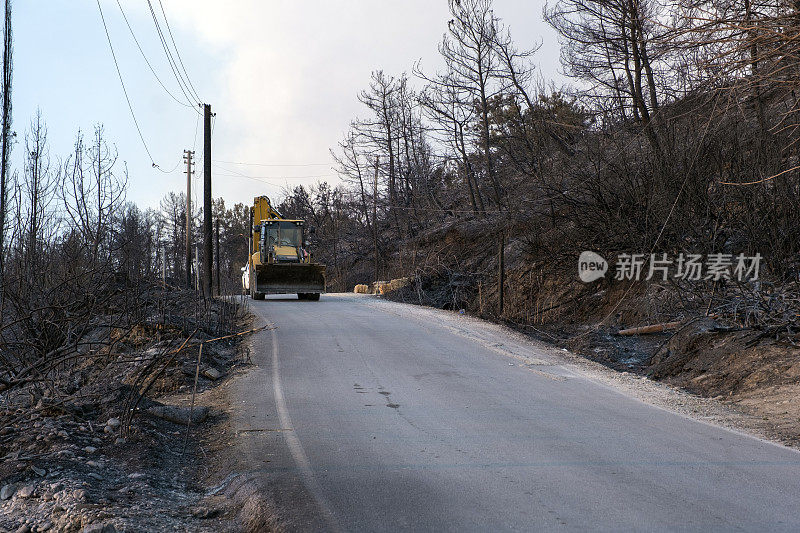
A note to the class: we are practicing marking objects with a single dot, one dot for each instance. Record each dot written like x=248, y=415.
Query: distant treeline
x=70, y=214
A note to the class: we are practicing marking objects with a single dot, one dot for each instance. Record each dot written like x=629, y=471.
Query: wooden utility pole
x=187, y=156
x=216, y=256
x=375, y=216
x=207, y=243
x=501, y=271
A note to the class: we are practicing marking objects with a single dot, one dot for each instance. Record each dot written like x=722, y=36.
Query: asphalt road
x=398, y=418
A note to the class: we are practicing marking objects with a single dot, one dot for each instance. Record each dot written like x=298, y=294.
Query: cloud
x=284, y=75
x=291, y=70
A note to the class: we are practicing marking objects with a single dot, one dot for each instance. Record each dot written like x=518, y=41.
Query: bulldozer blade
x=288, y=278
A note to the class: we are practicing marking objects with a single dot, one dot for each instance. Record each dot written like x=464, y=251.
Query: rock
x=120, y=441
x=136, y=475
x=63, y=434
x=39, y=471
x=93, y=464
x=26, y=491
x=211, y=373
x=44, y=527
x=7, y=491
x=204, y=512
x=90, y=449
x=113, y=423
x=24, y=528
x=95, y=475
x=179, y=415
x=97, y=527
x=80, y=495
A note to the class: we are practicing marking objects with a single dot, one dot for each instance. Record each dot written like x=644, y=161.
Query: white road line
x=293, y=441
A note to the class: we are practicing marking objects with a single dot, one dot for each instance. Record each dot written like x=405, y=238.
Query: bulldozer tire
x=302, y=296
x=313, y=297
x=258, y=296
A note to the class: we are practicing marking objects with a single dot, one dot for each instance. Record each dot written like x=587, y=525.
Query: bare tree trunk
x=487, y=153
x=5, y=141
x=755, y=73
x=475, y=195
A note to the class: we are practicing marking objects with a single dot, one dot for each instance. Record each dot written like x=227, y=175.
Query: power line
x=237, y=173
x=170, y=60
x=168, y=171
x=273, y=164
x=196, y=124
x=249, y=178
x=124, y=90
x=177, y=52
x=130, y=28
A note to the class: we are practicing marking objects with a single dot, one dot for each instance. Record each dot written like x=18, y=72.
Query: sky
x=282, y=77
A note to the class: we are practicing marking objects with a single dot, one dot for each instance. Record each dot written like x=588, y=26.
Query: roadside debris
x=653, y=328
x=179, y=415
x=75, y=454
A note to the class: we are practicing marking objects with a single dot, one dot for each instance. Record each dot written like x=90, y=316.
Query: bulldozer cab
x=281, y=241
x=283, y=233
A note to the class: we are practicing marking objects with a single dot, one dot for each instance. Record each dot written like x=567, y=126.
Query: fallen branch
x=652, y=328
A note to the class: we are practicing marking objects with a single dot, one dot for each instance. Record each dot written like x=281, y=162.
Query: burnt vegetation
x=679, y=134
x=93, y=304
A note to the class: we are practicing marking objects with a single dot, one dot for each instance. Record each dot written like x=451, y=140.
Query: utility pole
x=187, y=156
x=207, y=244
x=216, y=256
x=375, y=217
x=501, y=271
x=196, y=267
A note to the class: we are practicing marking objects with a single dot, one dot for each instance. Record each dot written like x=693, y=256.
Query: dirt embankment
x=752, y=368
x=739, y=344
x=755, y=371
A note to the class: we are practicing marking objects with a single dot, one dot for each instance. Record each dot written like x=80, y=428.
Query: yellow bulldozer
x=279, y=262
